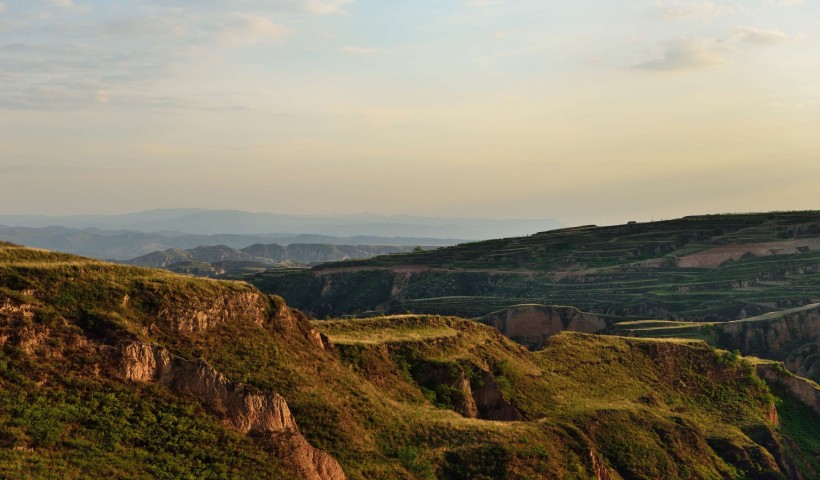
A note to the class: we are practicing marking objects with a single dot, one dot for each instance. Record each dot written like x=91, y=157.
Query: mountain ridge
x=221, y=260
x=128, y=244
x=210, y=222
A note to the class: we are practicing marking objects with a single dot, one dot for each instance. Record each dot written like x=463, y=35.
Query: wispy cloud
x=686, y=10
x=167, y=23
x=62, y=3
x=759, y=36
x=3, y=7
x=686, y=54
x=64, y=61
x=244, y=30
x=327, y=7
x=314, y=7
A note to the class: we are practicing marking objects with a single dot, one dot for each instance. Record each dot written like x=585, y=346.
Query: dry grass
x=395, y=329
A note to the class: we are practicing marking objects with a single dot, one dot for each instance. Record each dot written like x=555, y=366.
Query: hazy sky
x=587, y=111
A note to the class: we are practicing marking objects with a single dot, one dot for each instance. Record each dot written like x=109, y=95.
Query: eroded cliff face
x=774, y=339
x=490, y=400
x=243, y=408
x=478, y=394
x=803, y=389
x=531, y=325
x=805, y=361
x=198, y=313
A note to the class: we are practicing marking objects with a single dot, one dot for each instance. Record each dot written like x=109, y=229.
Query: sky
x=586, y=111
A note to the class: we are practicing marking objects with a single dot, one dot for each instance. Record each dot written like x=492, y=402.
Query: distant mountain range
x=221, y=259
x=124, y=245
x=213, y=222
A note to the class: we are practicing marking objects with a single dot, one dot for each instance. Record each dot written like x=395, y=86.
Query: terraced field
x=705, y=268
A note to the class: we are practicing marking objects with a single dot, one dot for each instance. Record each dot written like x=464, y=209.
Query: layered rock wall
x=531, y=325
x=775, y=338
x=244, y=408
x=803, y=389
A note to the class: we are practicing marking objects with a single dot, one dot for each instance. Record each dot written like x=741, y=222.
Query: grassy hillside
x=395, y=397
x=705, y=268
x=62, y=416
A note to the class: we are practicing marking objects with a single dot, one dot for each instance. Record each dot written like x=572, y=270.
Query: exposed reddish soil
x=713, y=257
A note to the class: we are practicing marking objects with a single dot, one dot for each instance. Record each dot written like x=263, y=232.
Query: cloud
x=120, y=56
x=687, y=10
x=327, y=7
x=157, y=25
x=314, y=7
x=686, y=54
x=40, y=76
x=62, y=3
x=3, y=7
x=246, y=30
x=759, y=36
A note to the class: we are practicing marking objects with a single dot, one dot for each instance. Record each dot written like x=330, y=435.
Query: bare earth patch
x=713, y=257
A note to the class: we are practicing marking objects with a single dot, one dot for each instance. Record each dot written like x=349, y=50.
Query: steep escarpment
x=791, y=335
x=66, y=413
x=805, y=361
x=531, y=325
x=464, y=387
x=98, y=335
x=246, y=409
x=775, y=335
x=200, y=313
x=803, y=389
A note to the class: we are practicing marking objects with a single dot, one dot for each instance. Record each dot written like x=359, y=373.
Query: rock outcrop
x=197, y=314
x=531, y=325
x=490, y=400
x=773, y=338
x=803, y=389
x=475, y=394
x=243, y=408
x=449, y=379
x=805, y=361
